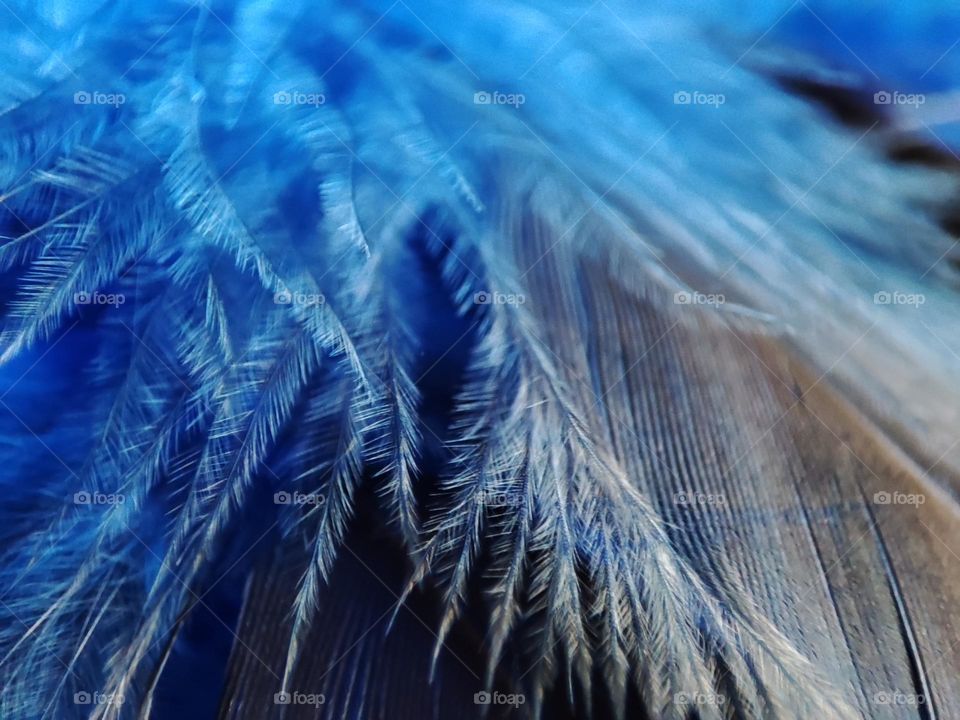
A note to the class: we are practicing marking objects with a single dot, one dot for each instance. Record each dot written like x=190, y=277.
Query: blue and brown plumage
x=416, y=360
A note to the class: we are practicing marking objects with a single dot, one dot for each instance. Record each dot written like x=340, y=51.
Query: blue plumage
x=391, y=359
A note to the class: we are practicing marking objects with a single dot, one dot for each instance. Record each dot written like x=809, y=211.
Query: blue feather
x=456, y=307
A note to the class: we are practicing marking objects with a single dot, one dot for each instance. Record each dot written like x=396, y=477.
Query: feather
x=353, y=368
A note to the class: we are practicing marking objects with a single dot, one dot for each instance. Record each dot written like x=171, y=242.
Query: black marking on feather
x=914, y=151
x=850, y=106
